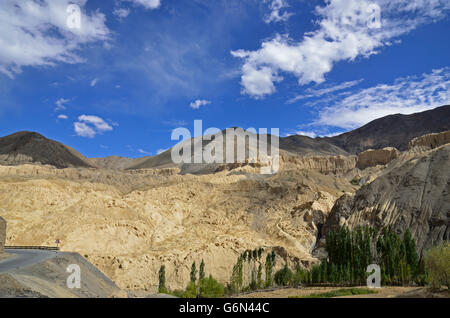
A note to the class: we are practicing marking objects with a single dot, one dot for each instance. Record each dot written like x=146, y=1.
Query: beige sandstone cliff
x=430, y=141
x=129, y=223
x=412, y=193
x=372, y=158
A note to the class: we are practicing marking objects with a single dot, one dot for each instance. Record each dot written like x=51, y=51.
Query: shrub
x=437, y=265
x=284, y=276
x=191, y=291
x=211, y=288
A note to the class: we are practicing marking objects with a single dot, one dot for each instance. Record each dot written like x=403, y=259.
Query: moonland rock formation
x=372, y=158
x=2, y=234
x=411, y=193
x=430, y=141
x=129, y=223
x=129, y=220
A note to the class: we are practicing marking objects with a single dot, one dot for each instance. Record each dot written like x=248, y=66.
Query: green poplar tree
x=202, y=270
x=162, y=280
x=193, y=273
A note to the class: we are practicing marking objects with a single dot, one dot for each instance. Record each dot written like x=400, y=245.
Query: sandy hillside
x=129, y=223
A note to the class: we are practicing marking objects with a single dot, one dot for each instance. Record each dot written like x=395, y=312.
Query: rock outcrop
x=129, y=223
x=2, y=234
x=372, y=158
x=430, y=141
x=412, y=193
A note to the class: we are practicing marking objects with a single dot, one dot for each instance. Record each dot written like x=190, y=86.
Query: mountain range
x=394, y=130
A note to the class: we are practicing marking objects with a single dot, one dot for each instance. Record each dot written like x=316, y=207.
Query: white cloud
x=324, y=91
x=276, y=6
x=198, y=103
x=35, y=33
x=83, y=130
x=60, y=104
x=147, y=4
x=347, y=29
x=94, y=82
x=309, y=134
x=62, y=116
x=141, y=151
x=90, y=126
x=405, y=96
x=121, y=13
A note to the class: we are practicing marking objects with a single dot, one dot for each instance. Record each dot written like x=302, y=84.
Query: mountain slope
x=393, y=131
x=306, y=146
x=390, y=131
x=412, y=193
x=29, y=147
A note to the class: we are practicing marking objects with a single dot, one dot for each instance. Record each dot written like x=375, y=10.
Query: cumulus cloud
x=35, y=33
x=60, y=104
x=347, y=29
x=147, y=4
x=62, y=116
x=405, y=96
x=90, y=126
x=198, y=103
x=276, y=7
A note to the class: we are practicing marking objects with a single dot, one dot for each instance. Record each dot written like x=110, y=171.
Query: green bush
x=437, y=266
x=284, y=277
x=191, y=291
x=211, y=288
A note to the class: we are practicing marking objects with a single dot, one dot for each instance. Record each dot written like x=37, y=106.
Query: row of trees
x=349, y=254
x=249, y=264
x=204, y=287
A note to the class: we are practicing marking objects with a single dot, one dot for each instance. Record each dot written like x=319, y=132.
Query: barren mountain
x=113, y=162
x=411, y=193
x=393, y=131
x=29, y=147
x=390, y=131
x=131, y=226
x=129, y=222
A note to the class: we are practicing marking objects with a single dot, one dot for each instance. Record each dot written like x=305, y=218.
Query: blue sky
x=136, y=69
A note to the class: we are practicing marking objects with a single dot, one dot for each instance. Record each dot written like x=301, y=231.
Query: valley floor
x=384, y=292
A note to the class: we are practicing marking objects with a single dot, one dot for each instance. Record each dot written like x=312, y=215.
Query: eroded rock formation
x=412, y=193
x=372, y=158
x=430, y=141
